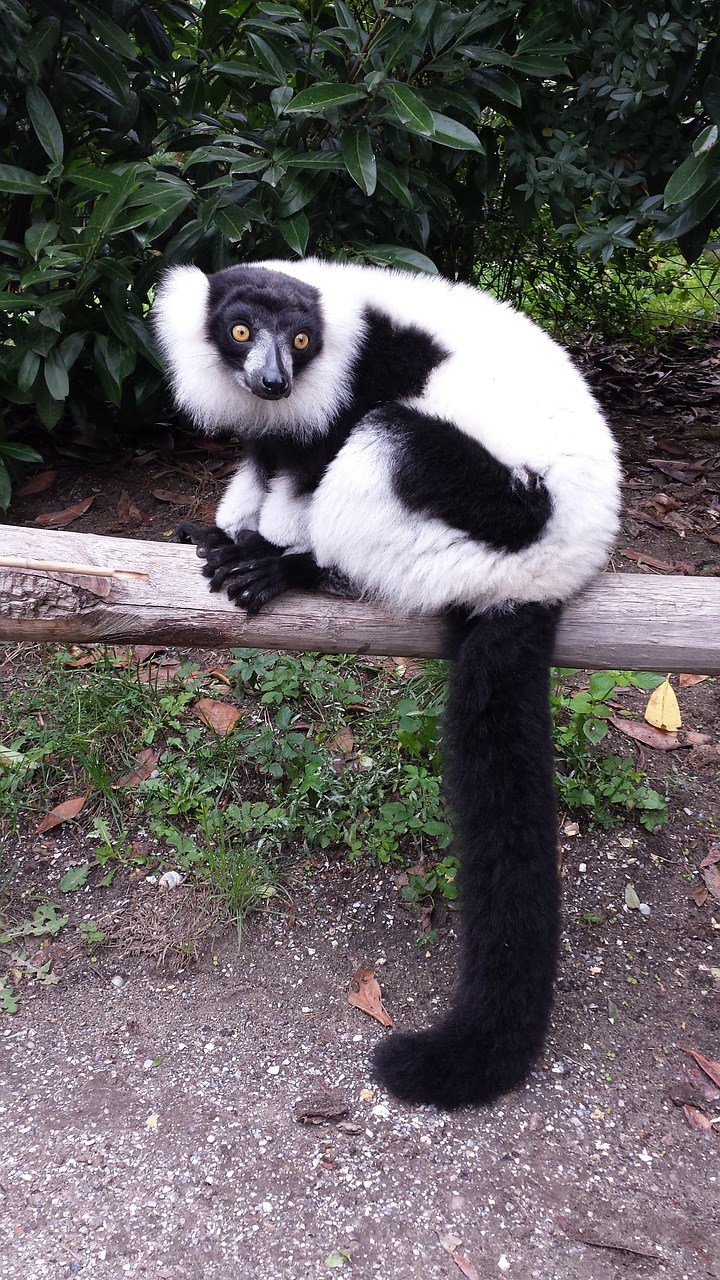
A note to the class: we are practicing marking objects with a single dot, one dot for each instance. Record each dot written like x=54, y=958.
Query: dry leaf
x=450, y=1245
x=141, y=652
x=341, y=741
x=37, y=484
x=711, y=876
x=713, y=856
x=711, y=1068
x=365, y=994
x=662, y=709
x=59, y=519
x=700, y=895
x=686, y=679
x=696, y=1119
x=61, y=813
x=145, y=763
x=177, y=499
x=658, y=739
x=220, y=716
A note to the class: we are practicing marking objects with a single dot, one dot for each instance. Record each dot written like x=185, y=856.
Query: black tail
x=500, y=787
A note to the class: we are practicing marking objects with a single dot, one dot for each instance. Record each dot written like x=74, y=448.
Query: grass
x=329, y=753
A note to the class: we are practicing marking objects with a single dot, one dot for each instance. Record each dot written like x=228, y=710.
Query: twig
x=58, y=566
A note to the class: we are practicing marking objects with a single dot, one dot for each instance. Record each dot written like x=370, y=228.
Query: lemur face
x=266, y=327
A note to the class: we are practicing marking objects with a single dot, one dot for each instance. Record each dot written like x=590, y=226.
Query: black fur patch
x=392, y=361
x=444, y=472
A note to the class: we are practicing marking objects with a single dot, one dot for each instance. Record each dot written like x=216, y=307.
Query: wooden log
x=118, y=591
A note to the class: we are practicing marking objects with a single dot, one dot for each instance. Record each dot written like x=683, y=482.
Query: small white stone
x=503, y=1262
x=644, y=909
x=117, y=981
x=273, y=1071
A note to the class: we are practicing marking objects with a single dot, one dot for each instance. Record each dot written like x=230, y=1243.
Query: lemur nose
x=276, y=386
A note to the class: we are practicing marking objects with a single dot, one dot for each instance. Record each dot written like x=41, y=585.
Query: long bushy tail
x=499, y=769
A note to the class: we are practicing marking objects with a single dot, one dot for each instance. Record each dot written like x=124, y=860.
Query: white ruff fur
x=505, y=383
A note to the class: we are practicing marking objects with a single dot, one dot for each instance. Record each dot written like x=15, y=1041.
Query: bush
x=139, y=135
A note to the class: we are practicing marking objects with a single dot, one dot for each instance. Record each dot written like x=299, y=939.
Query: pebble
x=117, y=981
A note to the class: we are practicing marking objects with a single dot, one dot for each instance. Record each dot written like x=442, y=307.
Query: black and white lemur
x=430, y=448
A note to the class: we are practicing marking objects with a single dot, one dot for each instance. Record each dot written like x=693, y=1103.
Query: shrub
x=136, y=135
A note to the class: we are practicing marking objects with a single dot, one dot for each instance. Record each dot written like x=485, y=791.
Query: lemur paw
x=255, y=582
x=205, y=537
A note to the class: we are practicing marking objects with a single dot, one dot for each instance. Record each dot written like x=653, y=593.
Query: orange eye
x=301, y=341
x=240, y=333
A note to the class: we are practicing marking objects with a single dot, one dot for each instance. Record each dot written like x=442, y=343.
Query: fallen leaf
x=710, y=1067
x=37, y=484
x=220, y=716
x=658, y=739
x=141, y=652
x=631, y=898
x=713, y=856
x=61, y=813
x=696, y=1119
x=177, y=499
x=692, y=738
x=365, y=994
x=129, y=513
x=337, y=1258
x=700, y=895
x=711, y=876
x=145, y=763
x=687, y=679
x=450, y=1245
x=58, y=519
x=341, y=741
x=662, y=708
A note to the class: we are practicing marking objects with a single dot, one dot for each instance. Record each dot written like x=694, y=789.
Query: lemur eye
x=240, y=333
x=301, y=341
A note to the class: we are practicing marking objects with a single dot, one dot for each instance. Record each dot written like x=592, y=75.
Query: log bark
x=622, y=621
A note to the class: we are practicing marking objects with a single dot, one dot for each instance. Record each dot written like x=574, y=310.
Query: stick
x=57, y=566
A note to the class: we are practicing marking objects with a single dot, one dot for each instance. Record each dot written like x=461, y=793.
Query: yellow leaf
x=662, y=709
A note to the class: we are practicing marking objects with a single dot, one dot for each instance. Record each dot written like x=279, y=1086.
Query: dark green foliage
x=136, y=135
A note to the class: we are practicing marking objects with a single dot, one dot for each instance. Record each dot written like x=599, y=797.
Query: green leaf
x=38, y=236
x=267, y=57
x=27, y=371
x=690, y=178
x=409, y=109
x=324, y=97
x=357, y=152
x=498, y=85
x=392, y=182
x=20, y=182
x=393, y=255
x=5, y=487
x=450, y=133
x=697, y=210
x=75, y=878
x=295, y=232
x=49, y=410
x=56, y=377
x=108, y=68
x=706, y=140
x=19, y=452
x=233, y=222
x=110, y=33
x=45, y=123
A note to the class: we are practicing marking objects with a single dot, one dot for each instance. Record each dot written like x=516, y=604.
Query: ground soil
x=152, y=1120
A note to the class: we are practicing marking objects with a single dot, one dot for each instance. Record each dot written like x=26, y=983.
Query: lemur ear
x=180, y=288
